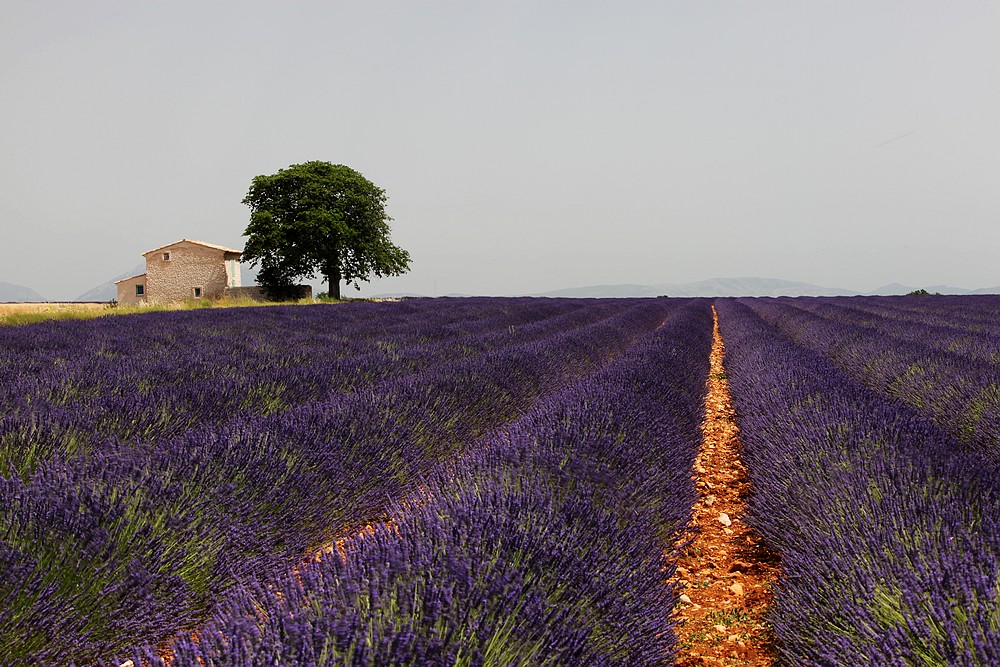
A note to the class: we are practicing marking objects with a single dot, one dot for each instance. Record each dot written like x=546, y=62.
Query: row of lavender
x=544, y=545
x=939, y=354
x=886, y=523
x=130, y=538
x=67, y=388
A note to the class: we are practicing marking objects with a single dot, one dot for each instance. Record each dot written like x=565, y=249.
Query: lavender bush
x=885, y=523
x=70, y=387
x=939, y=354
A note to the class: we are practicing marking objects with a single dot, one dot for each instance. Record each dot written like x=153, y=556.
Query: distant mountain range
x=896, y=288
x=745, y=286
x=9, y=292
x=703, y=288
x=712, y=287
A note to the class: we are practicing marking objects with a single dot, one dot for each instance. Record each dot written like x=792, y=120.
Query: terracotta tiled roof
x=207, y=245
x=130, y=278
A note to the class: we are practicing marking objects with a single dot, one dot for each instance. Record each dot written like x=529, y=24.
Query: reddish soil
x=725, y=572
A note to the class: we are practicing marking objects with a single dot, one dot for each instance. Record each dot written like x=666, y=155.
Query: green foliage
x=922, y=292
x=319, y=218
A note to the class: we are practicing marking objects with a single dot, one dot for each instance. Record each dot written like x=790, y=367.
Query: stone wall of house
x=126, y=290
x=188, y=267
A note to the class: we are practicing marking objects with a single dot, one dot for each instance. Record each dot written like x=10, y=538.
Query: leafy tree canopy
x=319, y=218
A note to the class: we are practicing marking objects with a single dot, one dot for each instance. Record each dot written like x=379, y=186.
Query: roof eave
x=201, y=243
x=139, y=275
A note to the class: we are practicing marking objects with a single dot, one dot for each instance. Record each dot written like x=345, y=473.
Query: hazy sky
x=524, y=146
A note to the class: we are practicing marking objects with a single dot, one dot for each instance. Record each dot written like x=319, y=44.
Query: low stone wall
x=256, y=292
x=253, y=292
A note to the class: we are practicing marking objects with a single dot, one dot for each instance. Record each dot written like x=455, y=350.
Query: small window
x=140, y=290
x=197, y=292
x=166, y=257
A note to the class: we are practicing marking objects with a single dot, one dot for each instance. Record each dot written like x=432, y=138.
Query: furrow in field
x=726, y=570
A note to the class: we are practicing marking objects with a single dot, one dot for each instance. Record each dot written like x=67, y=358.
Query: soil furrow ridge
x=725, y=571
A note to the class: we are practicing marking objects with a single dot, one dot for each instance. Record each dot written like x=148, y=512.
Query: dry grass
x=27, y=313
x=21, y=308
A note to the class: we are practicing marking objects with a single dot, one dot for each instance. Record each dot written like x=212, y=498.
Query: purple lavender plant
x=885, y=523
x=937, y=354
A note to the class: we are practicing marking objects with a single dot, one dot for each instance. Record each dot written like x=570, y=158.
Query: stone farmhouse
x=183, y=270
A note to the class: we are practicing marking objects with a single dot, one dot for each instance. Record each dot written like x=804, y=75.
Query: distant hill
x=108, y=291
x=748, y=286
x=405, y=295
x=893, y=289
x=604, y=291
x=9, y=292
x=713, y=287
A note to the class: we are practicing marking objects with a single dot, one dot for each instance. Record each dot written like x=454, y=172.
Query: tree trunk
x=333, y=277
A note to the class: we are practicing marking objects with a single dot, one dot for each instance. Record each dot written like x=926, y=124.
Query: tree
x=323, y=218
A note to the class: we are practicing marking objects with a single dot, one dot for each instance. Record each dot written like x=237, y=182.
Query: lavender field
x=869, y=433
x=492, y=481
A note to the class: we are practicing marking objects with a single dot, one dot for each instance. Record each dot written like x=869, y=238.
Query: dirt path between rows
x=725, y=572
